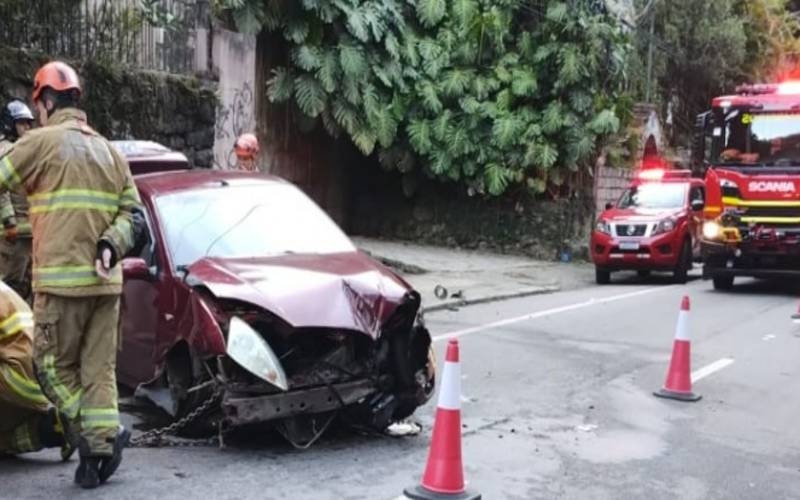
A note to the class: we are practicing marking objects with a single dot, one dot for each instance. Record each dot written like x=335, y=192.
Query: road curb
x=450, y=304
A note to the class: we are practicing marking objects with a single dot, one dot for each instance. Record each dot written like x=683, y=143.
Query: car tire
x=602, y=276
x=681, y=272
x=723, y=282
x=643, y=274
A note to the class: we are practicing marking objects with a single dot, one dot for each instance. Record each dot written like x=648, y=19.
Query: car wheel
x=681, y=272
x=723, y=282
x=183, y=372
x=602, y=276
x=644, y=273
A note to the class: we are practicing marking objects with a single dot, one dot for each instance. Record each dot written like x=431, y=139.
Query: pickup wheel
x=644, y=273
x=681, y=272
x=723, y=282
x=602, y=276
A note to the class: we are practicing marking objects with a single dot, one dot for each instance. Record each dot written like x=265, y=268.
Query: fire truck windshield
x=760, y=139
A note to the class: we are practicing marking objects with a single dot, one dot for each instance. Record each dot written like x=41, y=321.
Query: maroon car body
x=345, y=329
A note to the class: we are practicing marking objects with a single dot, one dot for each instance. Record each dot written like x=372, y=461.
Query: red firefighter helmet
x=246, y=147
x=56, y=75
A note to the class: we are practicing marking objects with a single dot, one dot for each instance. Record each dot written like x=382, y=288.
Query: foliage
x=703, y=49
x=495, y=94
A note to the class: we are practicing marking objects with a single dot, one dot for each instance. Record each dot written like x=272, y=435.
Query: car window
x=246, y=221
x=696, y=193
x=654, y=195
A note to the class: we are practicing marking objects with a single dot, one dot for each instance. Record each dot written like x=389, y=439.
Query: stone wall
x=443, y=215
x=177, y=111
x=610, y=182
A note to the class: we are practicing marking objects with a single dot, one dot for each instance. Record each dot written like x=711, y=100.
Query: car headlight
x=251, y=352
x=711, y=230
x=665, y=225
x=603, y=227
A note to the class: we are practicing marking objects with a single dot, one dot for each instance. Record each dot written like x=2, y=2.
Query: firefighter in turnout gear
x=15, y=248
x=246, y=149
x=27, y=421
x=81, y=196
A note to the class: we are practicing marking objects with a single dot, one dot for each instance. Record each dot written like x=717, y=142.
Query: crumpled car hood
x=348, y=291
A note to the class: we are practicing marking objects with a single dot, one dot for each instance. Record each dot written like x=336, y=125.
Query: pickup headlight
x=665, y=226
x=711, y=230
x=251, y=352
x=603, y=227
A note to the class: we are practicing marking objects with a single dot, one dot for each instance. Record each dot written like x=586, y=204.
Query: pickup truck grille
x=631, y=229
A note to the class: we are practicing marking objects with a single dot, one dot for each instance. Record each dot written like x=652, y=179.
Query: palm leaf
x=352, y=60
x=281, y=85
x=419, y=136
x=430, y=12
x=306, y=57
x=309, y=95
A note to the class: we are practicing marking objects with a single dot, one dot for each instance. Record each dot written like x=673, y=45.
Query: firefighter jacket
x=16, y=353
x=14, y=205
x=80, y=192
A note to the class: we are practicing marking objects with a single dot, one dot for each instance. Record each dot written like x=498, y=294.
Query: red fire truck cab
x=748, y=147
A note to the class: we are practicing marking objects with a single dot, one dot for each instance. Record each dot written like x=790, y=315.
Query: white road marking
x=709, y=369
x=548, y=312
x=768, y=337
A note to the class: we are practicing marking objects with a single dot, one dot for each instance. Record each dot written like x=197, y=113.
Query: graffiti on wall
x=235, y=116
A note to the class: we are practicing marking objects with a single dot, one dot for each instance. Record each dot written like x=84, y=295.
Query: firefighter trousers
x=15, y=266
x=75, y=348
x=23, y=406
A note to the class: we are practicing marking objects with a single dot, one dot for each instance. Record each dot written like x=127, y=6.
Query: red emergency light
x=659, y=174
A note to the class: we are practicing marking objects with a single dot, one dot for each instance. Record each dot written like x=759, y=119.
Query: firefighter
x=81, y=195
x=27, y=421
x=15, y=250
x=246, y=149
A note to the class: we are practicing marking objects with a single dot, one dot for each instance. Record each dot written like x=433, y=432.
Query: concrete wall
x=234, y=61
x=609, y=184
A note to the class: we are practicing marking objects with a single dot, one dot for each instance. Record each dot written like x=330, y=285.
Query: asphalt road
x=557, y=403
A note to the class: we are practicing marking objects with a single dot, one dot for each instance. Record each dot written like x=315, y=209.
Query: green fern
x=606, y=122
x=364, y=138
x=455, y=82
x=541, y=155
x=419, y=136
x=505, y=131
x=552, y=119
x=441, y=126
x=570, y=71
x=430, y=97
x=523, y=82
x=344, y=114
x=310, y=95
x=464, y=12
x=352, y=60
x=328, y=71
x=306, y=57
x=430, y=12
x=281, y=85
x=496, y=178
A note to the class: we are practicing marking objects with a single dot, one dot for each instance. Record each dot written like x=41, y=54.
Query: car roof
x=172, y=182
x=145, y=157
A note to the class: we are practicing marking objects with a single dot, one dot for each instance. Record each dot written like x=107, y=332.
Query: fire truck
x=748, y=147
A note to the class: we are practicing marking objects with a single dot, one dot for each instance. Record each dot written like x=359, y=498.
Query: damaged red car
x=246, y=290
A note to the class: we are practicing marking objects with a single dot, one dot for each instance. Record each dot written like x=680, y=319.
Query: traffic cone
x=796, y=316
x=444, y=473
x=679, y=377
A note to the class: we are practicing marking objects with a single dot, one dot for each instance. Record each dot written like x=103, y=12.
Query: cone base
x=421, y=493
x=678, y=396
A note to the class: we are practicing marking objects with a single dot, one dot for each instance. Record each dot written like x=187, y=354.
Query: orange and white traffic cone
x=796, y=316
x=679, y=377
x=444, y=473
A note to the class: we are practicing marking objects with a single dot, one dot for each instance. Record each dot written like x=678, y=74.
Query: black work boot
x=110, y=464
x=87, y=475
x=54, y=432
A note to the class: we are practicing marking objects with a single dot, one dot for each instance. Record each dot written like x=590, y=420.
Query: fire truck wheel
x=723, y=282
x=602, y=276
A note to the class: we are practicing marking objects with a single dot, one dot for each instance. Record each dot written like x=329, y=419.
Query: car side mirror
x=698, y=205
x=135, y=268
x=609, y=206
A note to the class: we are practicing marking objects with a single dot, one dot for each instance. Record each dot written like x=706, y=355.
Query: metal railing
x=148, y=34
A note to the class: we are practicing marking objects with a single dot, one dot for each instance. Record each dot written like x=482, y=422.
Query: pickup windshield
x=657, y=196
x=760, y=139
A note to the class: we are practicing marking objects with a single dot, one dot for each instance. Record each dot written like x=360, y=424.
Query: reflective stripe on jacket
x=80, y=192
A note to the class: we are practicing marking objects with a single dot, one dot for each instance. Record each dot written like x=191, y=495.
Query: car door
x=140, y=314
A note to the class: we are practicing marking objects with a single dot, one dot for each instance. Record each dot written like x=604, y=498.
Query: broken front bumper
x=240, y=410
